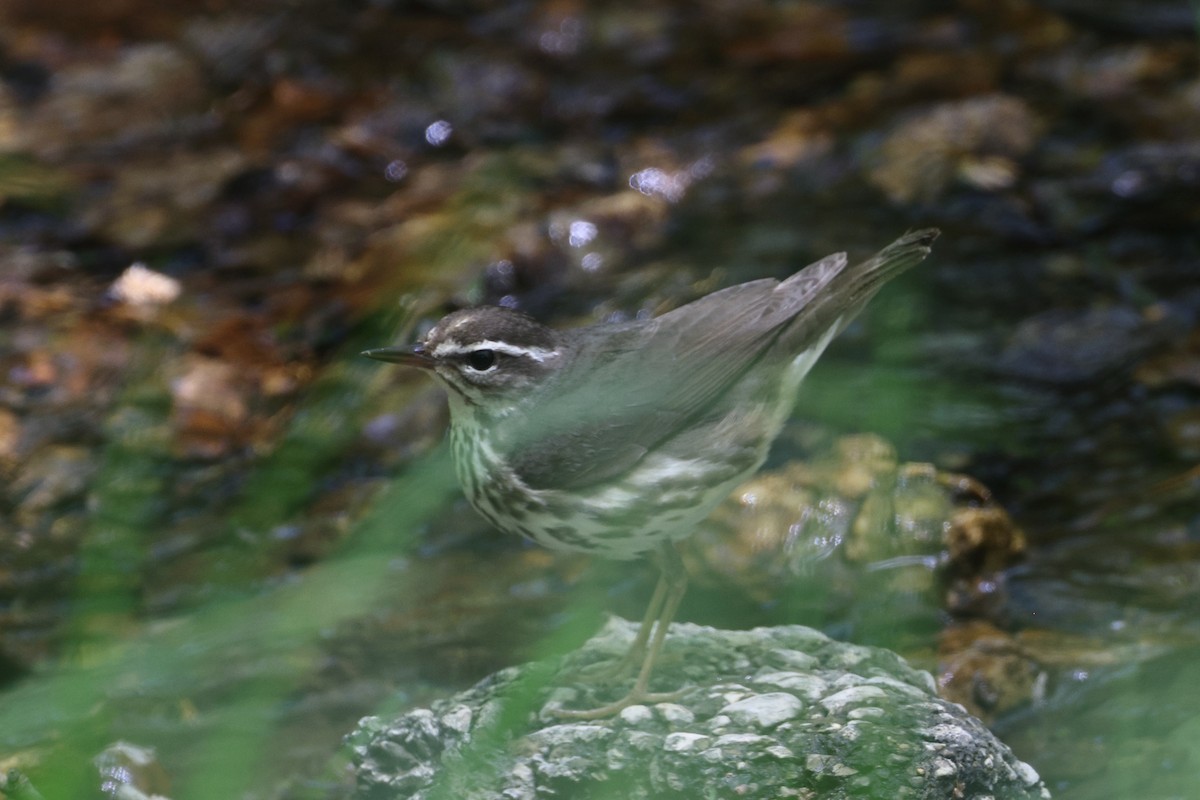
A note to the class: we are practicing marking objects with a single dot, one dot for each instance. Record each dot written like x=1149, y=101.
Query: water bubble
x=581, y=232
x=653, y=181
x=289, y=172
x=502, y=269
x=438, y=133
x=565, y=40
x=1128, y=183
x=395, y=171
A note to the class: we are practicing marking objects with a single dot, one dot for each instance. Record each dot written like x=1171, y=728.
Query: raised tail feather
x=836, y=299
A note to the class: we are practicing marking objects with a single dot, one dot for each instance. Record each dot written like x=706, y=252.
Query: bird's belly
x=665, y=498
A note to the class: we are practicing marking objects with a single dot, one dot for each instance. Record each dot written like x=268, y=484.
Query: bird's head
x=488, y=357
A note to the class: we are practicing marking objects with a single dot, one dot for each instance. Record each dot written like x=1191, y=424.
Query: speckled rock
x=771, y=712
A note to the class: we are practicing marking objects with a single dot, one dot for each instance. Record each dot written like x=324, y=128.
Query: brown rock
x=978, y=141
x=985, y=669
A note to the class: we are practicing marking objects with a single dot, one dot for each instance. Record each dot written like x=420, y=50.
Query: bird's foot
x=634, y=698
x=615, y=670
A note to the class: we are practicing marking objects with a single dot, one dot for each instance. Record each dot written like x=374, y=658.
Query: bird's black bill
x=411, y=356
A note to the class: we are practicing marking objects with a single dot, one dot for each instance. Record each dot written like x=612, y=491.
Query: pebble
x=636, y=714
x=765, y=710
x=838, y=702
x=1027, y=773
x=808, y=686
x=458, y=719
x=792, y=659
x=675, y=714
x=742, y=739
x=682, y=742
x=943, y=768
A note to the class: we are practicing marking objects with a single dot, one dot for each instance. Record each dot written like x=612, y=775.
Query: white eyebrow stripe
x=538, y=354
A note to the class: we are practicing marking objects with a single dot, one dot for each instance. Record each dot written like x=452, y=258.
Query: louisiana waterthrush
x=618, y=439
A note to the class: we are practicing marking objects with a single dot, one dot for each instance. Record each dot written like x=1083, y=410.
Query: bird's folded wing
x=632, y=388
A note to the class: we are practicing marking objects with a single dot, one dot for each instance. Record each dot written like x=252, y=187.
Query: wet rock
x=1021, y=26
x=163, y=201
x=148, y=93
x=291, y=103
x=985, y=669
x=32, y=184
x=943, y=72
x=53, y=476
x=488, y=99
x=210, y=408
x=17, y=786
x=805, y=32
x=850, y=504
x=874, y=729
x=1157, y=18
x=132, y=772
x=416, y=429
x=1183, y=432
x=229, y=44
x=800, y=137
x=978, y=142
x=1071, y=347
x=127, y=18
x=608, y=232
x=143, y=288
x=1180, y=365
x=850, y=526
x=1143, y=185
x=10, y=439
x=981, y=543
x=1110, y=74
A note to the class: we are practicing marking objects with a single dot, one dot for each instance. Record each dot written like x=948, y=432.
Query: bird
x=618, y=439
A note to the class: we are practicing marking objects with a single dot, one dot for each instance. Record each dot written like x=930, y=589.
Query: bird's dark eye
x=481, y=360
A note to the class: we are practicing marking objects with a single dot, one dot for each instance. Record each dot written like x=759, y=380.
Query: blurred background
x=224, y=536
